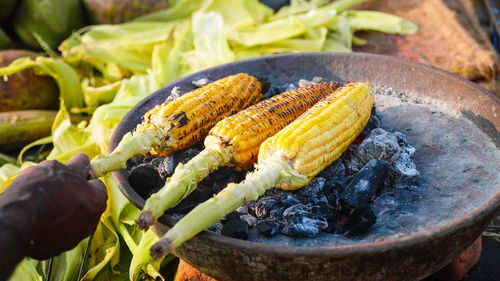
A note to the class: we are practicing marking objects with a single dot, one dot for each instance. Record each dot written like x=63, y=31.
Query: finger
x=80, y=164
x=100, y=192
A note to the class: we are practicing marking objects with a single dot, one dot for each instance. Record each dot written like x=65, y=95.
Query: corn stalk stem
x=129, y=146
x=183, y=182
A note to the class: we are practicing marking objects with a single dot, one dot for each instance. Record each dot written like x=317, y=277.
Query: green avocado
x=26, y=90
x=53, y=20
x=118, y=11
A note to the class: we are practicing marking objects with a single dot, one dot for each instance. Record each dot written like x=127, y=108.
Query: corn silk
x=104, y=70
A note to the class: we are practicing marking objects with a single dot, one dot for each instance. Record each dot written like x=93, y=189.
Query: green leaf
x=378, y=21
x=25, y=271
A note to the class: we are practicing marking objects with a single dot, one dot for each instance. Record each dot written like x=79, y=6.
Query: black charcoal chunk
x=326, y=211
x=373, y=123
x=293, y=210
x=315, y=186
x=360, y=221
x=332, y=189
x=144, y=178
x=276, y=193
x=301, y=230
x=334, y=171
x=335, y=227
x=405, y=171
x=410, y=150
x=184, y=156
x=380, y=144
x=269, y=228
x=291, y=200
x=201, y=82
x=243, y=210
x=235, y=228
x=250, y=220
x=135, y=161
x=217, y=227
x=276, y=212
x=305, y=224
x=318, y=199
x=264, y=206
x=266, y=84
x=164, y=165
x=367, y=184
x=231, y=216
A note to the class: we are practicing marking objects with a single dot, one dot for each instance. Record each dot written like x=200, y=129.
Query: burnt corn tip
x=161, y=248
x=145, y=220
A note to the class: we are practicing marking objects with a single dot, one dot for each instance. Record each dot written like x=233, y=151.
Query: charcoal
x=231, y=216
x=373, y=123
x=293, y=210
x=250, y=220
x=202, y=193
x=251, y=207
x=315, y=200
x=405, y=171
x=201, y=82
x=410, y=150
x=336, y=170
x=135, y=161
x=217, y=228
x=269, y=227
x=290, y=200
x=335, y=227
x=315, y=186
x=380, y=144
x=235, y=228
x=242, y=210
x=360, y=220
x=332, y=189
x=143, y=178
x=184, y=156
x=365, y=185
x=326, y=211
x=305, y=224
x=306, y=217
x=276, y=212
x=301, y=230
x=264, y=206
x=276, y=193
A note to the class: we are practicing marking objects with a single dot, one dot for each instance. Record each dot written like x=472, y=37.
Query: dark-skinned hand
x=47, y=210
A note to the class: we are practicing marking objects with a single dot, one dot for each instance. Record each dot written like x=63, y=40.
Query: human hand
x=58, y=204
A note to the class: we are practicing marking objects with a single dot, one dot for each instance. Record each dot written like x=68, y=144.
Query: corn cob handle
x=288, y=160
x=177, y=124
x=233, y=141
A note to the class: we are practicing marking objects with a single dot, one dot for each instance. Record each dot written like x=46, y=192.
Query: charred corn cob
x=288, y=160
x=177, y=124
x=234, y=141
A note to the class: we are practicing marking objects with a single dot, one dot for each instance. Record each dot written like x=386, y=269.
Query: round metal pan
x=453, y=124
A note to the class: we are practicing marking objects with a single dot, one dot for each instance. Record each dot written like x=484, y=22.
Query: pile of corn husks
x=105, y=70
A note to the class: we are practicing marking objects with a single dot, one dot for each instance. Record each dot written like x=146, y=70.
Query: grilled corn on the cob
x=289, y=159
x=177, y=124
x=233, y=141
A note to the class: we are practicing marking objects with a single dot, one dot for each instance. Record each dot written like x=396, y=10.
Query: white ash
x=201, y=82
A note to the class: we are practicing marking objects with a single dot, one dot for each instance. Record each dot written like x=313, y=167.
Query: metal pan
x=454, y=125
